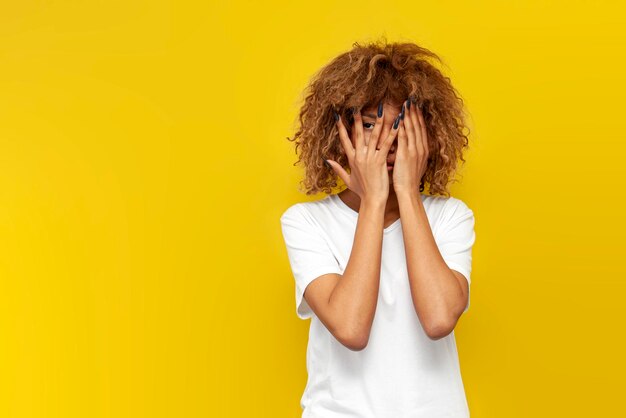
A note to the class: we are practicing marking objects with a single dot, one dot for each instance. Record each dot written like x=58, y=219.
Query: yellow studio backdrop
x=144, y=167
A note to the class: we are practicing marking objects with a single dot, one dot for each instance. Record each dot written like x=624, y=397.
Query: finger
x=374, y=137
x=344, y=137
x=409, y=126
x=341, y=172
x=391, y=136
x=423, y=130
x=415, y=118
x=403, y=138
x=418, y=144
x=357, y=130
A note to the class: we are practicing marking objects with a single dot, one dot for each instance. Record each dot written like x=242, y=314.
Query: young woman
x=382, y=269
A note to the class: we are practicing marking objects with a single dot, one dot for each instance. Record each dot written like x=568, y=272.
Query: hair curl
x=364, y=76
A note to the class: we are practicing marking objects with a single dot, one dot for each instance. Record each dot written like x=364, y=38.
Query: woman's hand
x=412, y=154
x=368, y=176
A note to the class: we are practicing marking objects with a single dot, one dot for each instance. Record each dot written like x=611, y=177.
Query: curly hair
x=364, y=76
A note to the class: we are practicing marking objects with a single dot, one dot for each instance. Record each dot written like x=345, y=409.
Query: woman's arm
x=439, y=294
x=346, y=303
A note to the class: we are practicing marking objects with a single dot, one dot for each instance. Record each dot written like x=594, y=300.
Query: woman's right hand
x=368, y=176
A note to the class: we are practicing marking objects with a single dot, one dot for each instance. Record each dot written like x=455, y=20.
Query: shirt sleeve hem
x=303, y=310
x=464, y=271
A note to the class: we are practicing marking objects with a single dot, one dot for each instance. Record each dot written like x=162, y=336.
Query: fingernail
x=408, y=103
x=336, y=116
x=326, y=163
x=380, y=109
x=402, y=113
x=396, y=122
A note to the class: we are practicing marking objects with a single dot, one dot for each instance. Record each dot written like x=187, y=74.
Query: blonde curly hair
x=362, y=77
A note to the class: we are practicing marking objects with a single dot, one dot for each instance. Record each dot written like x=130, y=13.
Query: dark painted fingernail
x=408, y=103
x=402, y=113
x=396, y=123
x=336, y=116
x=326, y=163
x=380, y=109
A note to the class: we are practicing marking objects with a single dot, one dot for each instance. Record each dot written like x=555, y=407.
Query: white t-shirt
x=401, y=373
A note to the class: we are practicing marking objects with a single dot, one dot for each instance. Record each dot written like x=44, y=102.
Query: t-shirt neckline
x=341, y=205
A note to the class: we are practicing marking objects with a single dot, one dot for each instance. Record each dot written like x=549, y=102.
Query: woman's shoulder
x=448, y=204
x=305, y=210
x=447, y=210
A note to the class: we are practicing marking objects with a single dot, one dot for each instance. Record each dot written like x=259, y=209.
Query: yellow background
x=144, y=166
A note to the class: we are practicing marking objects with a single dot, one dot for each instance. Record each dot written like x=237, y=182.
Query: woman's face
x=390, y=112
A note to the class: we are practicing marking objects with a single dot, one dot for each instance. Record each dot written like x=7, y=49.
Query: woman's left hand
x=412, y=153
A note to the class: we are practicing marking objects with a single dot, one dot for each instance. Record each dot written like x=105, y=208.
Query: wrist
x=374, y=203
x=407, y=192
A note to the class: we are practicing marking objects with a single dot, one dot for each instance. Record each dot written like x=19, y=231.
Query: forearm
x=434, y=288
x=355, y=296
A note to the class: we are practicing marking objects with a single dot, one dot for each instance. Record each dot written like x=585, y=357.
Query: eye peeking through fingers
x=368, y=123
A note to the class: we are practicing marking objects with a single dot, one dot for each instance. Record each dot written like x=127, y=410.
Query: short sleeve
x=309, y=254
x=457, y=237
